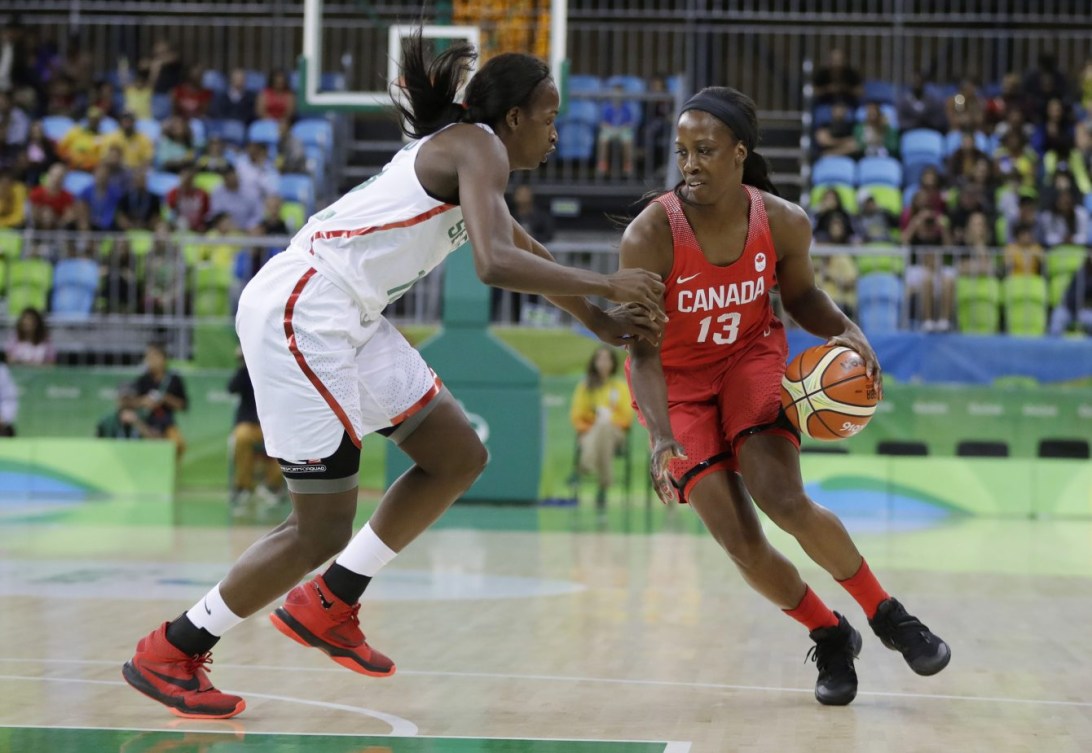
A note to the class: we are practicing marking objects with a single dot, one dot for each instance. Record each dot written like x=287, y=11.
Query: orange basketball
x=826, y=393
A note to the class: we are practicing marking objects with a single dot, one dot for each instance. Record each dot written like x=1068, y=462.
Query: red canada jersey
x=715, y=312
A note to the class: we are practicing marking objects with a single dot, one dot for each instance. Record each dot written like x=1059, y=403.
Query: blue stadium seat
x=56, y=126
x=675, y=83
x=879, y=303
x=161, y=106
x=834, y=169
x=106, y=124
x=583, y=111
x=921, y=142
x=941, y=91
x=575, y=139
x=255, y=81
x=883, y=92
x=316, y=161
x=821, y=116
x=75, y=284
x=884, y=170
x=314, y=132
x=75, y=181
x=296, y=187
x=332, y=81
x=629, y=84
x=149, y=128
x=197, y=130
x=231, y=131
x=584, y=84
x=909, y=191
x=953, y=139
x=1088, y=201
x=889, y=113
x=263, y=131
x=160, y=183
x=912, y=170
x=213, y=80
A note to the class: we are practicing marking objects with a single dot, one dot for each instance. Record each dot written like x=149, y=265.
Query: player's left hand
x=854, y=339
x=622, y=324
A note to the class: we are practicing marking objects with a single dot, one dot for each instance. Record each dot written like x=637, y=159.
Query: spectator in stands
x=1024, y=255
x=875, y=136
x=1055, y=133
x=241, y=202
x=276, y=101
x=1027, y=213
x=961, y=162
x=874, y=224
x=13, y=72
x=36, y=157
x=213, y=251
x=136, y=148
x=164, y=68
x=617, y=124
x=920, y=108
x=138, y=208
x=126, y=421
x=291, y=157
x=1064, y=221
x=104, y=97
x=930, y=187
x=215, y=158
x=137, y=94
x=112, y=160
x=60, y=97
x=189, y=204
x=1068, y=161
x=1043, y=83
x=601, y=413
x=835, y=230
x=982, y=178
x=164, y=283
x=190, y=99
x=119, y=280
x=77, y=65
x=1076, y=303
x=966, y=110
x=97, y=205
x=81, y=147
x=9, y=399
x=837, y=275
x=271, y=222
x=52, y=207
x=659, y=122
x=13, y=201
x=930, y=277
x=256, y=169
x=837, y=82
x=1010, y=99
x=235, y=102
x=248, y=450
x=532, y=217
x=161, y=393
x=30, y=344
x=837, y=136
x=175, y=145
x=970, y=200
x=977, y=257
x=14, y=127
x=1015, y=155
x=830, y=207
x=1015, y=120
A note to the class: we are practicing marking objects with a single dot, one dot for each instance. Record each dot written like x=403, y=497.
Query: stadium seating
x=294, y=215
x=213, y=80
x=921, y=144
x=11, y=244
x=883, y=92
x=890, y=263
x=978, y=305
x=575, y=139
x=161, y=106
x=582, y=111
x=255, y=81
x=297, y=187
x=879, y=303
x=263, y=131
x=75, y=284
x=834, y=170
x=198, y=131
x=208, y=182
x=56, y=126
x=1061, y=264
x=890, y=114
x=885, y=170
x=584, y=84
x=314, y=132
x=28, y=284
x=231, y=131
x=1025, y=299
x=75, y=181
x=845, y=193
x=149, y=128
x=212, y=284
x=160, y=183
x=887, y=197
x=953, y=140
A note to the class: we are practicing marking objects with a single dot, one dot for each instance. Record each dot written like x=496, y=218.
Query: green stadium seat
x=893, y=263
x=887, y=198
x=140, y=242
x=1025, y=298
x=1057, y=288
x=208, y=182
x=1062, y=262
x=845, y=192
x=294, y=215
x=29, y=282
x=978, y=305
x=211, y=287
x=11, y=244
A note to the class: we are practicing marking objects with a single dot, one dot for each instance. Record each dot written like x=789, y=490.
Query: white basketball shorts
x=318, y=371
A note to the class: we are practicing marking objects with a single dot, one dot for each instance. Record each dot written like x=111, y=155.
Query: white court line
x=615, y=681
x=399, y=727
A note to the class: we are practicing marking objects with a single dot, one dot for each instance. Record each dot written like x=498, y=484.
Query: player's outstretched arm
x=482, y=168
x=805, y=301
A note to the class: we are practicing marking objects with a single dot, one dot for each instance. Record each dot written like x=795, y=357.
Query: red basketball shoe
x=178, y=680
x=313, y=616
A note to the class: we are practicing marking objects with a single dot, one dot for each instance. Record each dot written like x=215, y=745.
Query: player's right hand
x=663, y=452
x=639, y=286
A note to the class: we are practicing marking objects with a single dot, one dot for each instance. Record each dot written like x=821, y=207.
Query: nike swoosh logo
x=191, y=684
x=206, y=603
x=322, y=597
x=681, y=280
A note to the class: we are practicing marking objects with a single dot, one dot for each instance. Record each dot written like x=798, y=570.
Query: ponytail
x=756, y=172
x=431, y=87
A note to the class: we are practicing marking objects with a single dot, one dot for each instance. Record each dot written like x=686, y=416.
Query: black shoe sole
x=934, y=664
x=344, y=657
x=857, y=642
x=177, y=706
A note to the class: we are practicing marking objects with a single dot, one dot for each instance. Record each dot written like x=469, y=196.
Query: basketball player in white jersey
x=328, y=368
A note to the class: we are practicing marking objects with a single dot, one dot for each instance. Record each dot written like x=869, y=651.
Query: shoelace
x=199, y=662
x=905, y=626
x=821, y=655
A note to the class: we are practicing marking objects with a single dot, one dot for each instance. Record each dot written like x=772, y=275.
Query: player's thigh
x=722, y=503
x=445, y=443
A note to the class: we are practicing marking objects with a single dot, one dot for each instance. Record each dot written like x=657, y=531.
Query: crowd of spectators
x=1011, y=182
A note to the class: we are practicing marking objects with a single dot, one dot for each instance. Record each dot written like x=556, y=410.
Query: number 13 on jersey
x=726, y=332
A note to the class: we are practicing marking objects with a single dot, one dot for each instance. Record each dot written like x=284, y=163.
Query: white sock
x=212, y=614
x=366, y=553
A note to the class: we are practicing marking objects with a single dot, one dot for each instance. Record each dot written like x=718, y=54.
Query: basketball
x=826, y=393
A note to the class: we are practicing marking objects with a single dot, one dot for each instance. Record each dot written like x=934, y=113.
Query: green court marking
x=25, y=739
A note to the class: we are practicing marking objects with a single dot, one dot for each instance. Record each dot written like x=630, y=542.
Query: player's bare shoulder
x=647, y=241
x=790, y=226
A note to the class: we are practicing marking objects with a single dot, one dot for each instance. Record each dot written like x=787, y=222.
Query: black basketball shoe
x=926, y=653
x=833, y=653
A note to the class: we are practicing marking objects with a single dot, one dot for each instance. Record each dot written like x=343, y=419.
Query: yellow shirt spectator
x=13, y=202
x=602, y=412
x=612, y=396
x=136, y=148
x=81, y=148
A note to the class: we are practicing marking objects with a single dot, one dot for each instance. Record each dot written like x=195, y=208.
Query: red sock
x=864, y=587
x=812, y=612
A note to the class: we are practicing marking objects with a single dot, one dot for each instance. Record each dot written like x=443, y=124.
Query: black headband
x=725, y=112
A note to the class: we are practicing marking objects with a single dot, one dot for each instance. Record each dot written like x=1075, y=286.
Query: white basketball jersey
x=382, y=236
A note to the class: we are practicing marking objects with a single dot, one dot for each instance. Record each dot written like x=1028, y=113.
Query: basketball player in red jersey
x=709, y=393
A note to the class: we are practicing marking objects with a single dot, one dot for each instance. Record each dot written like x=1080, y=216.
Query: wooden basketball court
x=536, y=632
